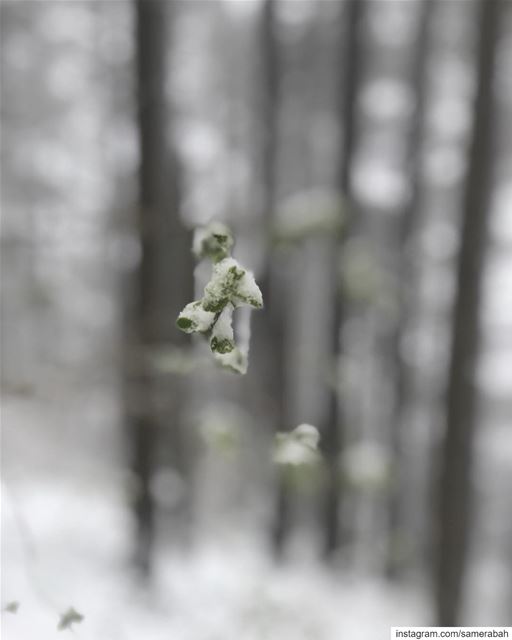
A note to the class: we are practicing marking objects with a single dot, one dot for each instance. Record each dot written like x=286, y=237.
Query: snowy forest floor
x=66, y=535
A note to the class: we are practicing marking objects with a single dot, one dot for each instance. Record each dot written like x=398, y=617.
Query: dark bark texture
x=407, y=286
x=350, y=62
x=162, y=281
x=455, y=496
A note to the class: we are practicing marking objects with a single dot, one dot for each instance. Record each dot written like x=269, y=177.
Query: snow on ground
x=219, y=591
x=66, y=542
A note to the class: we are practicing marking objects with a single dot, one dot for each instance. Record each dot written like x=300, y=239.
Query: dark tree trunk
x=271, y=70
x=333, y=430
x=457, y=449
x=270, y=325
x=405, y=273
x=161, y=283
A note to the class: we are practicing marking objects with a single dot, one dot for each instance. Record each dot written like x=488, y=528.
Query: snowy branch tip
x=230, y=286
x=213, y=241
x=297, y=447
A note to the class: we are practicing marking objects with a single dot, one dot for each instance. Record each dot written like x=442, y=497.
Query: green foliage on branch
x=230, y=286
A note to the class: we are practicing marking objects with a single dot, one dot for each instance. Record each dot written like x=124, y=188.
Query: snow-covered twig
x=231, y=286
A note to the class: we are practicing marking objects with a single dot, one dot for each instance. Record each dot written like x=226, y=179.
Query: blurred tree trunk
x=271, y=70
x=270, y=324
x=333, y=430
x=161, y=283
x=406, y=285
x=457, y=449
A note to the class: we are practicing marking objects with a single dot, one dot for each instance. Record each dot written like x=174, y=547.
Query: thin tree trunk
x=455, y=495
x=161, y=283
x=405, y=271
x=334, y=428
x=270, y=325
x=271, y=71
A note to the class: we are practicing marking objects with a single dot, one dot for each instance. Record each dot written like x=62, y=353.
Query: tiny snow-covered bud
x=297, y=447
x=213, y=241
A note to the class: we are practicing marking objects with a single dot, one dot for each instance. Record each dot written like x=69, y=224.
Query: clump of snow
x=308, y=435
x=230, y=282
x=297, y=447
x=235, y=361
x=194, y=318
x=222, y=285
x=248, y=292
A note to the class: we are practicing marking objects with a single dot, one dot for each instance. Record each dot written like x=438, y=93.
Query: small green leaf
x=184, y=323
x=12, y=607
x=221, y=346
x=215, y=305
